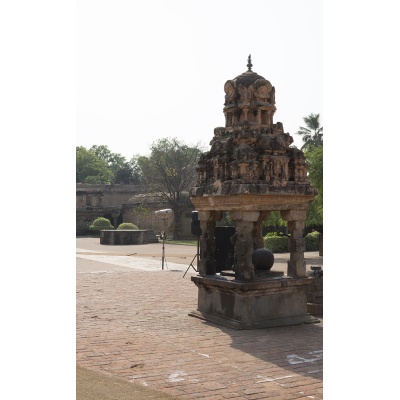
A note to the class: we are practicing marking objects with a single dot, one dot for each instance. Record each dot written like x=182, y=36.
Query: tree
x=90, y=168
x=314, y=157
x=123, y=171
x=313, y=134
x=170, y=170
x=100, y=165
x=103, y=152
x=275, y=221
x=127, y=172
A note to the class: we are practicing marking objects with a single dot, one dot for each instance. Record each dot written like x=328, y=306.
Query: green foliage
x=127, y=225
x=312, y=137
x=171, y=171
x=312, y=241
x=275, y=224
x=314, y=157
x=90, y=168
x=270, y=234
x=277, y=244
x=126, y=173
x=101, y=223
x=275, y=220
x=123, y=171
x=226, y=219
x=313, y=134
x=183, y=242
x=100, y=165
x=280, y=244
x=171, y=166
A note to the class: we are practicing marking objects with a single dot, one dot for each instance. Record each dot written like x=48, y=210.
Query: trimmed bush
x=101, y=223
x=127, y=225
x=277, y=244
x=312, y=241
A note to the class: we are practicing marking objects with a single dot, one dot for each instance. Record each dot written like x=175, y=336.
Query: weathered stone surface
x=297, y=267
x=251, y=168
x=315, y=292
x=248, y=305
x=126, y=203
x=249, y=171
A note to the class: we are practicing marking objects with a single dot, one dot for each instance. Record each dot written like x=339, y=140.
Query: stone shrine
x=250, y=171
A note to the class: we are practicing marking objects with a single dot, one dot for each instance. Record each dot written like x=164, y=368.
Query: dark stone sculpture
x=263, y=259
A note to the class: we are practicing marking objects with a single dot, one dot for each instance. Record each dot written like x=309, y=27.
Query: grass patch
x=184, y=242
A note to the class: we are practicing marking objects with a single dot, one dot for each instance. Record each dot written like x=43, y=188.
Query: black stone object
x=263, y=259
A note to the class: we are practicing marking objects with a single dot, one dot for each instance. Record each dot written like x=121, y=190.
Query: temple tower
x=249, y=171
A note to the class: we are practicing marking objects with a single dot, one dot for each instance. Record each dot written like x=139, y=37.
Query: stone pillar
x=296, y=223
x=245, y=241
x=245, y=111
x=207, y=241
x=257, y=234
x=259, y=116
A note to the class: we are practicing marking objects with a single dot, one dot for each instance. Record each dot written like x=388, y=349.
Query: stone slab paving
x=133, y=324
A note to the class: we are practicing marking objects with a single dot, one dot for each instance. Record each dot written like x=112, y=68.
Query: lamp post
x=165, y=215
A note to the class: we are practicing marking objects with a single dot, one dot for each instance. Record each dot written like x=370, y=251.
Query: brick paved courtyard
x=134, y=324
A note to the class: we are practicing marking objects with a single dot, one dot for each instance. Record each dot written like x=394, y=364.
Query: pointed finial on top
x=249, y=64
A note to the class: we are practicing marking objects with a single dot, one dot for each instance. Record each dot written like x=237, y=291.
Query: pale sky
x=153, y=69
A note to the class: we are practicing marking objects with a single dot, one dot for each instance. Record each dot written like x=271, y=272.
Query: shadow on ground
x=92, y=385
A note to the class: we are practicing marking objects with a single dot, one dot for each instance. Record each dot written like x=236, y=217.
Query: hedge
x=101, y=223
x=128, y=225
x=279, y=244
x=312, y=241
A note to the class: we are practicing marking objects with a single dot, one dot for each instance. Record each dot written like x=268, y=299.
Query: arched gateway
x=250, y=171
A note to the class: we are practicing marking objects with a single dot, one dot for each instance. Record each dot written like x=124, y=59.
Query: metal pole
x=198, y=250
x=163, y=251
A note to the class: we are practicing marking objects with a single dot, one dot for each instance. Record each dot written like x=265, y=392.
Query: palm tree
x=312, y=135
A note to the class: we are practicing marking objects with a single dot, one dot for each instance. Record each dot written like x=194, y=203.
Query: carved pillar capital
x=292, y=215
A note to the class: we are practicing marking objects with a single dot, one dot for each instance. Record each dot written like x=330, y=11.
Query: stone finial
x=249, y=64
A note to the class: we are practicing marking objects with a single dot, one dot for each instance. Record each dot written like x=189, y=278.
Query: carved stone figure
x=230, y=91
x=245, y=93
x=272, y=96
x=262, y=89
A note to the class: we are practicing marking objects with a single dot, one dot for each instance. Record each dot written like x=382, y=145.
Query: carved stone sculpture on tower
x=249, y=171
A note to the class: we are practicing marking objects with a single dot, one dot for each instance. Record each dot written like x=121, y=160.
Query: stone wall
x=115, y=202
x=125, y=237
x=146, y=219
x=100, y=200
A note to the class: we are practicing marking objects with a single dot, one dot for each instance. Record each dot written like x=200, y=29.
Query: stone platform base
x=315, y=309
x=122, y=237
x=262, y=303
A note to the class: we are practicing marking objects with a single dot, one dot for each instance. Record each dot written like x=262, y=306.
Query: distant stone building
x=124, y=203
x=140, y=210
x=100, y=200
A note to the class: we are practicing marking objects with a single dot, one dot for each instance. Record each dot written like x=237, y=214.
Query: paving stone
x=138, y=317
